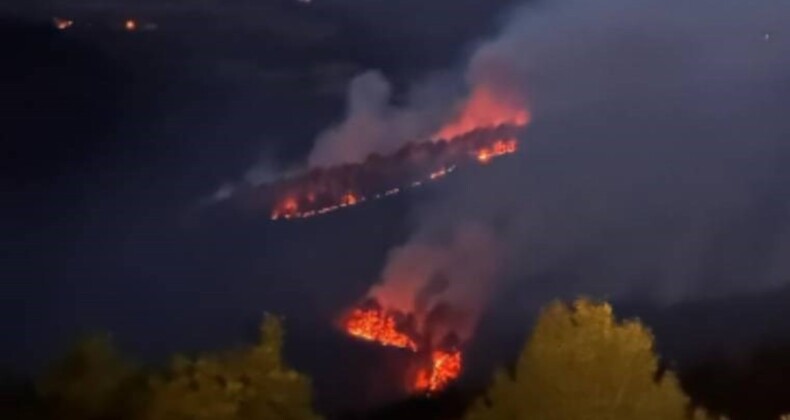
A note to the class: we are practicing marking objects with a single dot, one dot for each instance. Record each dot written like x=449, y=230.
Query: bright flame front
x=445, y=368
x=374, y=325
x=380, y=327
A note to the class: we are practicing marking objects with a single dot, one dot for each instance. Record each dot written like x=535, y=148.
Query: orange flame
x=499, y=148
x=374, y=325
x=288, y=208
x=484, y=109
x=379, y=326
x=445, y=367
x=349, y=199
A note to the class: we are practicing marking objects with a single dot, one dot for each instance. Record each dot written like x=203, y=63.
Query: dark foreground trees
x=93, y=382
x=249, y=384
x=580, y=363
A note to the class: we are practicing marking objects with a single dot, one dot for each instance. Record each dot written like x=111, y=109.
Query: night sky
x=655, y=173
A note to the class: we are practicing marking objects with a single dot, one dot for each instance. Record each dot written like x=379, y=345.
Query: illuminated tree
x=580, y=363
x=251, y=383
x=93, y=381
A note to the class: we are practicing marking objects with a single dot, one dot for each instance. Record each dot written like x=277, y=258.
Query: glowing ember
x=349, y=200
x=445, y=367
x=484, y=109
x=438, y=174
x=374, y=325
x=499, y=148
x=288, y=208
x=62, y=24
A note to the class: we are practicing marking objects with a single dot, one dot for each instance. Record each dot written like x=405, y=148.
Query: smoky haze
x=656, y=164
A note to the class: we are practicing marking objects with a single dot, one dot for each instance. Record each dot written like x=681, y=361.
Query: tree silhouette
x=580, y=363
x=92, y=381
x=250, y=383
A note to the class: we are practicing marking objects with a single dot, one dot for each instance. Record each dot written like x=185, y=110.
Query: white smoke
x=374, y=125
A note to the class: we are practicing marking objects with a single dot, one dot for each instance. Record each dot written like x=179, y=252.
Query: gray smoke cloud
x=656, y=163
x=427, y=273
x=373, y=124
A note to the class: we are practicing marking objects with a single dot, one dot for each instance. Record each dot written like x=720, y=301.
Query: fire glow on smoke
x=484, y=109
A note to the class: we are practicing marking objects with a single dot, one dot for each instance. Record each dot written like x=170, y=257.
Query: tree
x=251, y=383
x=93, y=381
x=580, y=363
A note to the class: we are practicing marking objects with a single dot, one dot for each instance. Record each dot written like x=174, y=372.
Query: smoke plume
x=431, y=275
x=374, y=125
x=656, y=165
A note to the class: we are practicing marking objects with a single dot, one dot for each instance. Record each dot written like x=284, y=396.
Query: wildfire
x=484, y=109
x=377, y=326
x=380, y=326
x=445, y=367
x=486, y=128
x=499, y=148
x=311, y=195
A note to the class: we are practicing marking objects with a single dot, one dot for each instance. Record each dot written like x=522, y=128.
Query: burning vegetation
x=376, y=326
x=445, y=368
x=427, y=303
x=438, y=367
x=485, y=127
x=324, y=190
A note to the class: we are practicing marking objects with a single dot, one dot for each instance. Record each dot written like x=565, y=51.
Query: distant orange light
x=349, y=199
x=288, y=209
x=130, y=25
x=62, y=24
x=438, y=174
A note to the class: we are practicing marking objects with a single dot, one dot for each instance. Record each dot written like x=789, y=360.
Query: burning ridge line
x=325, y=190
